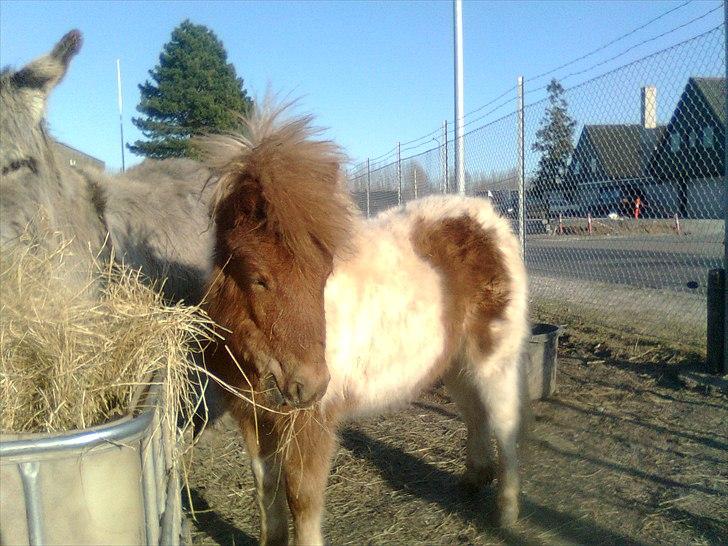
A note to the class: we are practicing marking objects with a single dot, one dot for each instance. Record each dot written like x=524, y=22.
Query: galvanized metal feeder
x=116, y=483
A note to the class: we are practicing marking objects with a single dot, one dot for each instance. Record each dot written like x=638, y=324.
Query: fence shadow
x=213, y=524
x=405, y=472
x=701, y=439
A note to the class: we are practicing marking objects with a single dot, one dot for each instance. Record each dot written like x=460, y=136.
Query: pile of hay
x=78, y=352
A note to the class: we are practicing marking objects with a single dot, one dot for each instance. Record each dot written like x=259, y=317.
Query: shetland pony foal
x=433, y=290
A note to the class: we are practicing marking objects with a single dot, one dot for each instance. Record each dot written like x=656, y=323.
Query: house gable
x=693, y=144
x=612, y=153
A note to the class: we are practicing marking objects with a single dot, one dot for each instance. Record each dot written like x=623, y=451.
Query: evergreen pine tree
x=554, y=140
x=194, y=90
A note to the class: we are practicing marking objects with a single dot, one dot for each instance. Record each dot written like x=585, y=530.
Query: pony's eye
x=259, y=283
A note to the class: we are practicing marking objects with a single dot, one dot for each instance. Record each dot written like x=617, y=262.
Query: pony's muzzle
x=306, y=387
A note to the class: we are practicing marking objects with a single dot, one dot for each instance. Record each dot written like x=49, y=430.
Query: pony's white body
x=389, y=335
x=384, y=310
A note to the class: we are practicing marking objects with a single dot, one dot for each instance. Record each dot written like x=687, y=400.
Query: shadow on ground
x=211, y=523
x=405, y=472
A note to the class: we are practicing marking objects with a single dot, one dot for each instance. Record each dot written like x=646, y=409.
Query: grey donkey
x=154, y=217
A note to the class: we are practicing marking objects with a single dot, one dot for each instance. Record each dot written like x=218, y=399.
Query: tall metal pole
x=445, y=166
x=369, y=186
x=725, y=192
x=459, y=108
x=521, y=173
x=121, y=119
x=399, y=175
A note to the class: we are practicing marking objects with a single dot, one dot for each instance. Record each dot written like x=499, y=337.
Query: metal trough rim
x=121, y=430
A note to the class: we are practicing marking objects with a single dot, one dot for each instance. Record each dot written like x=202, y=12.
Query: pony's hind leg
x=498, y=384
x=480, y=457
x=487, y=393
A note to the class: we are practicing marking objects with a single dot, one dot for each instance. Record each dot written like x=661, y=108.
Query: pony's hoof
x=476, y=478
x=507, y=514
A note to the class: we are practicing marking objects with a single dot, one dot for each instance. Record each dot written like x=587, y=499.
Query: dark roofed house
x=77, y=158
x=690, y=154
x=609, y=167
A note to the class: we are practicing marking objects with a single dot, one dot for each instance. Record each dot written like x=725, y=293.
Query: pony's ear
x=37, y=79
x=246, y=200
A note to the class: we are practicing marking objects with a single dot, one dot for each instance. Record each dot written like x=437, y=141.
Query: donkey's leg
x=480, y=455
x=500, y=394
x=269, y=481
x=306, y=467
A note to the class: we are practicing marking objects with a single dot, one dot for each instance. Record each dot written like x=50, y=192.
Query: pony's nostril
x=296, y=392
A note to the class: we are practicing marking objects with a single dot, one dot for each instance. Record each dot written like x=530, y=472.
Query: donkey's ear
x=40, y=76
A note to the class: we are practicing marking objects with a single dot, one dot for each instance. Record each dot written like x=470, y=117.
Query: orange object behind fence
x=637, y=206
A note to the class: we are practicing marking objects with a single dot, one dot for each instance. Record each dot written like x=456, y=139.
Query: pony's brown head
x=282, y=215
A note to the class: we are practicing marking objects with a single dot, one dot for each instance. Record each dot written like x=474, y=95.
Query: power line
x=421, y=138
x=384, y=155
x=620, y=54
x=605, y=46
x=511, y=89
x=601, y=48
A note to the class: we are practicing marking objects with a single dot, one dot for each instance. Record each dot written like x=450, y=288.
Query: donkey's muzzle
x=307, y=387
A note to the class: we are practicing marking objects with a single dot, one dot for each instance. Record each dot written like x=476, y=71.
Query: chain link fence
x=626, y=217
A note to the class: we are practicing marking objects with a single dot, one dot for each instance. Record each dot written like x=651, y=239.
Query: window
x=675, y=141
x=708, y=137
x=72, y=162
x=693, y=139
x=593, y=164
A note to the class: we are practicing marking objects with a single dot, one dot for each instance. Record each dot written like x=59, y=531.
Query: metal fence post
x=459, y=108
x=715, y=341
x=369, y=184
x=445, y=164
x=399, y=175
x=725, y=192
x=521, y=172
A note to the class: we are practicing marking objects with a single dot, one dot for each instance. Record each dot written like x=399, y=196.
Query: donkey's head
x=26, y=159
x=281, y=216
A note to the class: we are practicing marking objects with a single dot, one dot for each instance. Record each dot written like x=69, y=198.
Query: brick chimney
x=649, y=107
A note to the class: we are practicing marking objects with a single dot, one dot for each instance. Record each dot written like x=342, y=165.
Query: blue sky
x=372, y=72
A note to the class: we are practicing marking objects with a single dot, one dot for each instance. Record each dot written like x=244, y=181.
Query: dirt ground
x=623, y=453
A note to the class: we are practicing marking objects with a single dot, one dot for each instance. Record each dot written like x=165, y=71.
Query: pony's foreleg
x=500, y=394
x=480, y=458
x=269, y=481
x=306, y=468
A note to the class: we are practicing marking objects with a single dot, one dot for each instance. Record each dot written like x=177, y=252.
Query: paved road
x=663, y=261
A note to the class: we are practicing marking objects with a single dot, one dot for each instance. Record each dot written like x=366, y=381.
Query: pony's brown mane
x=279, y=166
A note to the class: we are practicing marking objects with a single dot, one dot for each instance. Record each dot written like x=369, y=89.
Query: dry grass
x=78, y=350
x=605, y=335
x=621, y=454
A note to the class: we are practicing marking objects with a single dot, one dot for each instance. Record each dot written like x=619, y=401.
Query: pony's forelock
x=296, y=176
